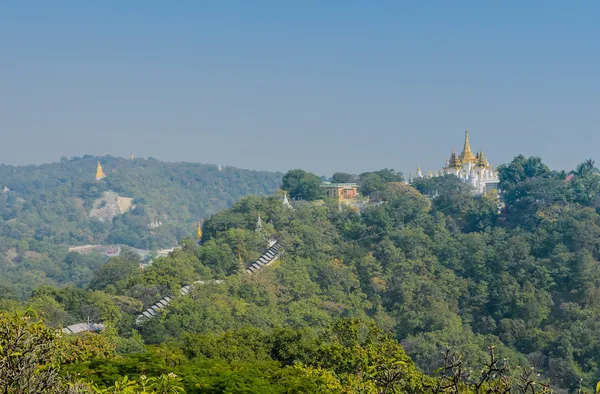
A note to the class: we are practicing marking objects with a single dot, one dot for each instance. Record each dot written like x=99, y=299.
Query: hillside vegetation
x=50, y=206
x=357, y=293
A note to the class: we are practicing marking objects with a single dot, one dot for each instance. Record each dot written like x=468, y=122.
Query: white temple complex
x=474, y=169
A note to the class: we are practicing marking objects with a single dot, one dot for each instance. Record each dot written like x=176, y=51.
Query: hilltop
x=142, y=203
x=344, y=293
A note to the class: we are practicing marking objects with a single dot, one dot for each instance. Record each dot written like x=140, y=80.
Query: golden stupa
x=99, y=173
x=198, y=231
x=467, y=155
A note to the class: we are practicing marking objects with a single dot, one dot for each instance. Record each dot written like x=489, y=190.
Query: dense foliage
x=302, y=185
x=370, y=184
x=48, y=207
x=348, y=356
x=357, y=293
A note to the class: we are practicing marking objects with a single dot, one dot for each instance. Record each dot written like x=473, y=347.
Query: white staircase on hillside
x=154, y=309
x=273, y=253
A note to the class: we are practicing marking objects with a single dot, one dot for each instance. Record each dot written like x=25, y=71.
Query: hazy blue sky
x=321, y=85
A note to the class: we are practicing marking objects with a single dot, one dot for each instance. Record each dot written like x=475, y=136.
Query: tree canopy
x=362, y=300
x=370, y=183
x=302, y=185
x=48, y=208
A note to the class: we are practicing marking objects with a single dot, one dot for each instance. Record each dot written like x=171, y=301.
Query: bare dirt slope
x=110, y=205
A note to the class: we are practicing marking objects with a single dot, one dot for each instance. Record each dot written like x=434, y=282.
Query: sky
x=325, y=86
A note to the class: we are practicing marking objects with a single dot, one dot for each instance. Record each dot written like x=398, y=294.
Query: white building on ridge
x=474, y=169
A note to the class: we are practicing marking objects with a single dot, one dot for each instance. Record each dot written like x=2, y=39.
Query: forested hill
x=448, y=271
x=53, y=201
x=52, y=204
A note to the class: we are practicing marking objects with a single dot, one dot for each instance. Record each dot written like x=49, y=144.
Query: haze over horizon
x=325, y=87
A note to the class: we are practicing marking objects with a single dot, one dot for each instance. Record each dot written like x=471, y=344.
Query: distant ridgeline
x=143, y=203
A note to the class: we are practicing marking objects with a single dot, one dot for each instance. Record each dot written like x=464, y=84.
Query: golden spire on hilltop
x=99, y=173
x=132, y=157
x=198, y=231
x=467, y=156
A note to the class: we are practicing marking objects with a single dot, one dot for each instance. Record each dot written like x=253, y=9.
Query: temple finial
x=467, y=155
x=467, y=146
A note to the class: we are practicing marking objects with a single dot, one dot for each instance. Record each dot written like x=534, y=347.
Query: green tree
x=30, y=356
x=585, y=168
x=371, y=183
x=520, y=169
x=343, y=177
x=115, y=269
x=303, y=185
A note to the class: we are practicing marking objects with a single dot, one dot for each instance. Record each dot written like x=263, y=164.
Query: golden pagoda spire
x=467, y=155
x=198, y=231
x=99, y=173
x=467, y=146
x=132, y=157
